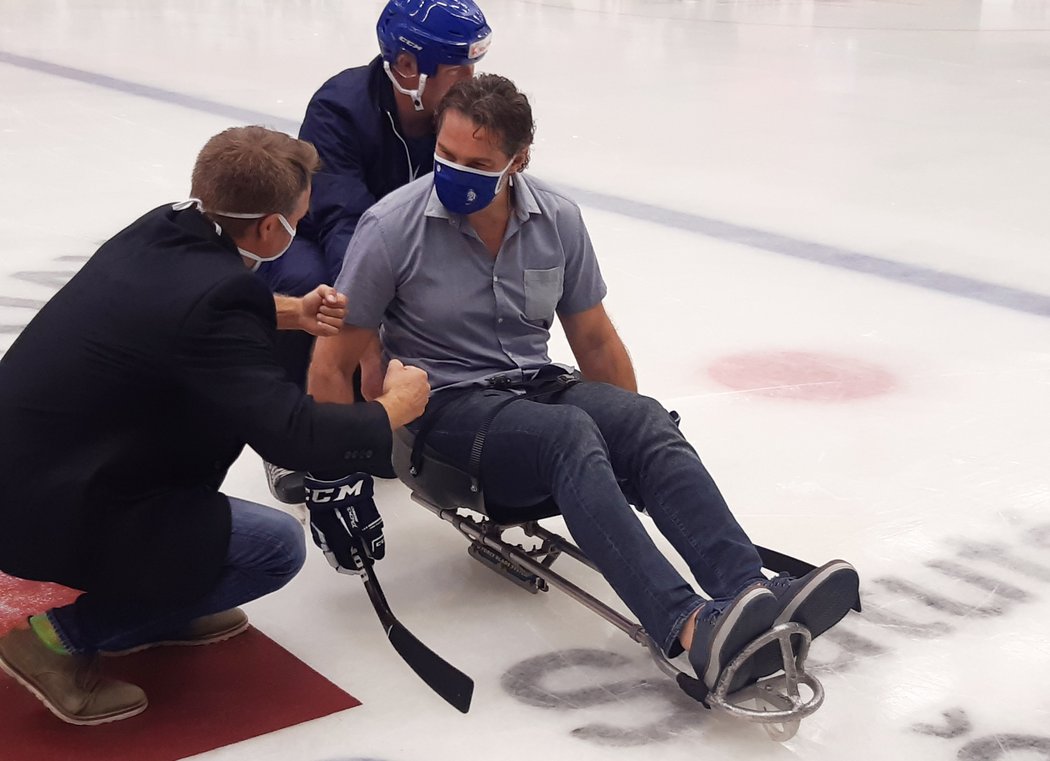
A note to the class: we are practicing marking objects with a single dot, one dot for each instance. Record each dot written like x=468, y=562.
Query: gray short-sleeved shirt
x=442, y=301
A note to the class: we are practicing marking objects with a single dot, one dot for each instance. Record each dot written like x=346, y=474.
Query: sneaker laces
x=779, y=582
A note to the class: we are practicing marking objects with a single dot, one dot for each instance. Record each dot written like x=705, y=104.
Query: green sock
x=41, y=626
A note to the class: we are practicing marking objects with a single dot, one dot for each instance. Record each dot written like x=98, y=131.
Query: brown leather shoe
x=206, y=630
x=69, y=685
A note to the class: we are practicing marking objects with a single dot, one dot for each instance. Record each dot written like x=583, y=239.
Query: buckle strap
x=542, y=387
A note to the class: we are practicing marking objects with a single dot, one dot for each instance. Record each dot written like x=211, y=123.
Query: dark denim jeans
x=267, y=548
x=574, y=449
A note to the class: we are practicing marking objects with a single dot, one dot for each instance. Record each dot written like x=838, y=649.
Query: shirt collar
x=437, y=209
x=524, y=200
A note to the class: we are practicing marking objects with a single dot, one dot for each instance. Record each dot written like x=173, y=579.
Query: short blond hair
x=253, y=170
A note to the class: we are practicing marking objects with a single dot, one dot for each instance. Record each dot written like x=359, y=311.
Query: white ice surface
x=912, y=132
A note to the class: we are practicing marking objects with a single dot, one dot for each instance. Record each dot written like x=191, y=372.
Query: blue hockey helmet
x=436, y=32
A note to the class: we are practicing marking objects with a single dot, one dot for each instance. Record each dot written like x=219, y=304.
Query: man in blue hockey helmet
x=424, y=39
x=373, y=127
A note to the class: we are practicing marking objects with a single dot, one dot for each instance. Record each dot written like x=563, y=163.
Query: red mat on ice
x=201, y=698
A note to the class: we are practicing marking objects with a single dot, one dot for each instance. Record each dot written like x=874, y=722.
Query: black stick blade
x=442, y=677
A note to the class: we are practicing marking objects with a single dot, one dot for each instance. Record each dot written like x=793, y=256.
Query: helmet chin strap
x=416, y=95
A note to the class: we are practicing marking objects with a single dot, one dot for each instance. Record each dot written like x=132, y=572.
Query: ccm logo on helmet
x=330, y=495
x=408, y=43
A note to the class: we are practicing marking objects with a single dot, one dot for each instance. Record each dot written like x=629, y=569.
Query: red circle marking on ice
x=801, y=375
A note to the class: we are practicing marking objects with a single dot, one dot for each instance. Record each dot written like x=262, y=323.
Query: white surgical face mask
x=196, y=203
x=189, y=203
x=253, y=256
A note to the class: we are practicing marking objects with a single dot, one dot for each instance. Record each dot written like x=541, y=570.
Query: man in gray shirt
x=462, y=274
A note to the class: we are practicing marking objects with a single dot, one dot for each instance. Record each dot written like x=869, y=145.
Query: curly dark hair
x=495, y=104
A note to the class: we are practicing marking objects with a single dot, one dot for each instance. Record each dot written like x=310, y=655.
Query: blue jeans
x=575, y=449
x=267, y=548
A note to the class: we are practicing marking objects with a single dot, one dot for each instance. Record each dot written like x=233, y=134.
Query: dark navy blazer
x=129, y=395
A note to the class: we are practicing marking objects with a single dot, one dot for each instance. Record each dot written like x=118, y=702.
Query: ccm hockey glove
x=340, y=512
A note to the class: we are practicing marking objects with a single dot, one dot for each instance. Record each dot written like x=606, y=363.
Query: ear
x=405, y=65
x=270, y=225
x=520, y=161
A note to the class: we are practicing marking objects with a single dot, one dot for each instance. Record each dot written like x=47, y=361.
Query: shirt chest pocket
x=542, y=293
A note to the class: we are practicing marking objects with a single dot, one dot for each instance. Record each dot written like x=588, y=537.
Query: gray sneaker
x=818, y=601
x=71, y=686
x=724, y=628
x=285, y=485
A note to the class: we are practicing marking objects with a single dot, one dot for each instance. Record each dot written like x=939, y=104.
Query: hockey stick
x=446, y=680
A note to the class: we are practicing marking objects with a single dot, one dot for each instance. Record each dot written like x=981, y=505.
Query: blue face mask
x=463, y=190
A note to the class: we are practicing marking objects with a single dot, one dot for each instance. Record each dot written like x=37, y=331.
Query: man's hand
x=343, y=516
x=405, y=393
x=321, y=311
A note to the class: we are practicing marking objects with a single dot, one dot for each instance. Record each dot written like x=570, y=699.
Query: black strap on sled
x=778, y=561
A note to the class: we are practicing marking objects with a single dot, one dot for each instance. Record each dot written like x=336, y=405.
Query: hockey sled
x=778, y=702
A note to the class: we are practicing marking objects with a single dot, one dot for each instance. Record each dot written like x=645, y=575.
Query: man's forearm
x=332, y=366
x=330, y=385
x=609, y=363
x=289, y=311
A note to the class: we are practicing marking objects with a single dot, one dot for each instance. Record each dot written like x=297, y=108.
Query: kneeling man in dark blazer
x=125, y=401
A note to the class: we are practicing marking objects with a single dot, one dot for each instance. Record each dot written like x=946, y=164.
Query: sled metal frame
x=453, y=496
